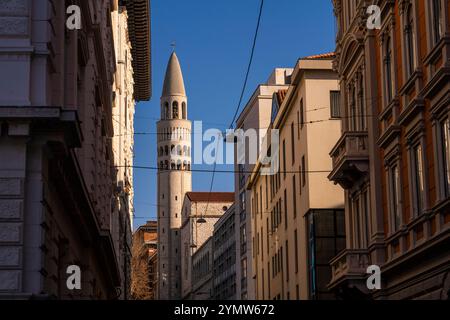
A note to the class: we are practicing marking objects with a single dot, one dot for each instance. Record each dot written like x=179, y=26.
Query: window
x=303, y=172
x=287, y=261
x=409, y=42
x=243, y=240
x=335, y=105
x=175, y=110
x=361, y=103
x=394, y=191
x=366, y=212
x=285, y=210
x=419, y=180
x=296, y=251
x=244, y=270
x=357, y=222
x=262, y=244
x=388, y=71
x=166, y=111
x=267, y=194
x=300, y=180
x=294, y=196
x=353, y=115
x=302, y=119
x=284, y=159
x=298, y=126
x=292, y=143
x=436, y=21
x=326, y=237
x=445, y=155
x=183, y=109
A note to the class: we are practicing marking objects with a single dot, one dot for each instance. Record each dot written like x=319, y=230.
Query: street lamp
x=201, y=220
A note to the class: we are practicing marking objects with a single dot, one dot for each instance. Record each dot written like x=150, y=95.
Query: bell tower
x=174, y=178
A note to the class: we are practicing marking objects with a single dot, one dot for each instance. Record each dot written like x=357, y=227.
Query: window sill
x=436, y=51
x=411, y=81
x=387, y=111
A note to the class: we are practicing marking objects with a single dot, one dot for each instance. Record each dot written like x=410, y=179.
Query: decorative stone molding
x=14, y=8
x=10, y=187
x=14, y=26
x=10, y=257
x=10, y=209
x=10, y=280
x=10, y=232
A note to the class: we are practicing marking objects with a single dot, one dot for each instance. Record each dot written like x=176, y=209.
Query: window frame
x=416, y=138
x=333, y=101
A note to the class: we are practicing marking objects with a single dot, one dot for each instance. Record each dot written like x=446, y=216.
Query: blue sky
x=213, y=42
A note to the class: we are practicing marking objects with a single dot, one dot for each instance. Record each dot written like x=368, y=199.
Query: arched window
x=436, y=21
x=166, y=165
x=172, y=150
x=161, y=165
x=409, y=42
x=166, y=150
x=172, y=166
x=175, y=110
x=179, y=165
x=185, y=166
x=166, y=111
x=184, y=151
x=161, y=151
x=362, y=105
x=179, y=150
x=183, y=107
x=189, y=166
x=388, y=70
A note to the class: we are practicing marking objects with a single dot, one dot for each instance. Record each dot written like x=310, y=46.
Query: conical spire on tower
x=173, y=81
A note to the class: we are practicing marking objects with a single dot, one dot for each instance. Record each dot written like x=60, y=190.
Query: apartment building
x=200, y=211
x=58, y=195
x=392, y=159
x=224, y=257
x=297, y=213
x=126, y=92
x=143, y=264
x=202, y=272
x=251, y=126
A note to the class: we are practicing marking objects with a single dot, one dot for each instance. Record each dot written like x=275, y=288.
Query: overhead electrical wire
x=240, y=98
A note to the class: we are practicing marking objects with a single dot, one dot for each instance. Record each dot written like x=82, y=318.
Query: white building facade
x=256, y=115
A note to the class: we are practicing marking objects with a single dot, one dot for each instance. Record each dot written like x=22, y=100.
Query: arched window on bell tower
x=183, y=110
x=175, y=114
x=166, y=111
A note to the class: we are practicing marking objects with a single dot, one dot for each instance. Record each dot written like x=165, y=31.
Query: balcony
x=350, y=267
x=350, y=158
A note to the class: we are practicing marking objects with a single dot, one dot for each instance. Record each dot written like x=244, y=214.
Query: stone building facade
x=200, y=211
x=295, y=228
x=57, y=157
x=393, y=156
x=224, y=257
x=202, y=272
